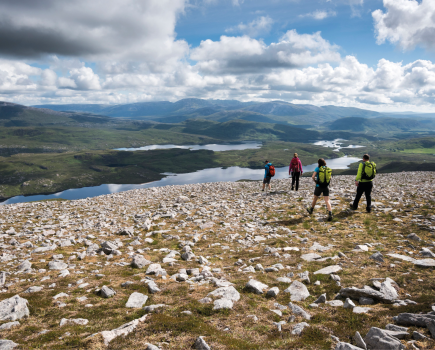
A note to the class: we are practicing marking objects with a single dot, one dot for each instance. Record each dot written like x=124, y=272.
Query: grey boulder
x=229, y=293
x=200, y=344
x=272, y=292
x=7, y=344
x=13, y=309
x=378, y=338
x=107, y=292
x=222, y=304
x=377, y=257
x=298, y=328
x=152, y=347
x=297, y=310
x=57, y=265
x=136, y=300
x=256, y=286
x=139, y=262
x=298, y=291
x=346, y=346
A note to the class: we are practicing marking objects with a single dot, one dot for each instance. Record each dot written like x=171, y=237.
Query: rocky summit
x=222, y=266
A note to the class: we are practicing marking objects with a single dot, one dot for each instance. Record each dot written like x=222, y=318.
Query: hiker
x=322, y=178
x=269, y=169
x=364, y=182
x=295, y=170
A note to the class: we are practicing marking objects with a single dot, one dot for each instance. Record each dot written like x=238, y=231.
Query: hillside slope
x=222, y=265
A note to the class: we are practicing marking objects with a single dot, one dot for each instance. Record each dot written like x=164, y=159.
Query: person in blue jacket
x=267, y=176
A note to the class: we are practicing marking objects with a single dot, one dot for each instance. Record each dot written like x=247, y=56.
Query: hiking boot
x=330, y=216
x=310, y=210
x=293, y=188
x=352, y=207
x=369, y=210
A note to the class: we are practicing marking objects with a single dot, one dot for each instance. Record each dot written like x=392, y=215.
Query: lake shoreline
x=211, y=174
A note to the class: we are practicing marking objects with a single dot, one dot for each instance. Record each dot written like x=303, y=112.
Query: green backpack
x=324, y=176
x=368, y=171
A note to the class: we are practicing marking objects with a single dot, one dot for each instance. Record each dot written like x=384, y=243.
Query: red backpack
x=295, y=165
x=271, y=171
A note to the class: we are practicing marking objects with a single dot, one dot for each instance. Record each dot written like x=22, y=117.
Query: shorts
x=266, y=180
x=321, y=190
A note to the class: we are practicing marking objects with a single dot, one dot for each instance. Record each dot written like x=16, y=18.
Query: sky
x=371, y=54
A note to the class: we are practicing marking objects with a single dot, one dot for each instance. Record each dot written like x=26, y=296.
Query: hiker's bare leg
x=270, y=187
x=264, y=185
x=314, y=201
x=328, y=203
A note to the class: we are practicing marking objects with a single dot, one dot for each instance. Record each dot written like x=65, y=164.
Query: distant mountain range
x=253, y=118
x=221, y=111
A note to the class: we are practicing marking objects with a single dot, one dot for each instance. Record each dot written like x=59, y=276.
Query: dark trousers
x=366, y=188
x=295, y=178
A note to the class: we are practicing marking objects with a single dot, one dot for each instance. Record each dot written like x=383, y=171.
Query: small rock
x=7, y=344
x=414, y=237
x=348, y=304
x=361, y=310
x=298, y=291
x=200, y=344
x=299, y=311
x=359, y=341
x=321, y=299
x=79, y=321
x=222, y=304
x=152, y=287
x=152, y=308
x=139, y=262
x=136, y=300
x=298, y=328
x=57, y=265
x=272, y=292
x=418, y=336
x=107, y=292
x=255, y=286
x=14, y=308
x=328, y=270
x=379, y=339
x=33, y=289
x=9, y=325
x=335, y=303
x=377, y=257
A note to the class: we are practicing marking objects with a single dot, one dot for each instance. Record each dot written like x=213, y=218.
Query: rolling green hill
x=381, y=126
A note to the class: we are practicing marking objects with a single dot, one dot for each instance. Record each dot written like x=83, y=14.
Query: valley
x=45, y=151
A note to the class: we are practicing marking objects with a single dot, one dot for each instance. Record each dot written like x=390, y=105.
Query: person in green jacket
x=364, y=184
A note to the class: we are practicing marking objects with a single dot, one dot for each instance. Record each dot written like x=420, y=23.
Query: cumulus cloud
x=97, y=29
x=300, y=68
x=407, y=23
x=244, y=54
x=257, y=27
x=319, y=14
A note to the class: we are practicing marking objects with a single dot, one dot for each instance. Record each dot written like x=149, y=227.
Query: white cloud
x=261, y=25
x=408, y=23
x=97, y=30
x=85, y=79
x=244, y=54
x=355, y=7
x=319, y=14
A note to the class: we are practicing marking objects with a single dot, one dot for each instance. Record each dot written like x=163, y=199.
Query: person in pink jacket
x=295, y=170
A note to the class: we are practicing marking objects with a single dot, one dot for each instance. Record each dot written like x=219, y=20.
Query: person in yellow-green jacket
x=364, y=182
